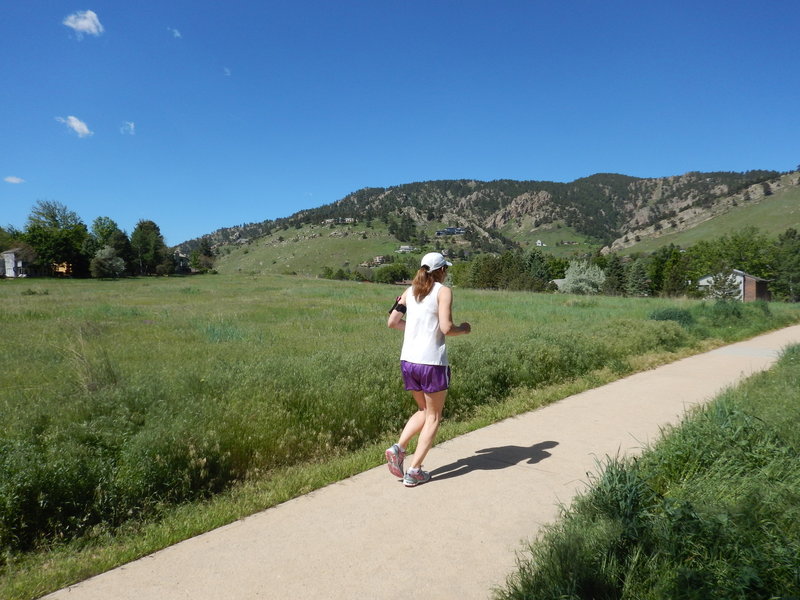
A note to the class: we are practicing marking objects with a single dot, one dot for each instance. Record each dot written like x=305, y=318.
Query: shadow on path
x=490, y=459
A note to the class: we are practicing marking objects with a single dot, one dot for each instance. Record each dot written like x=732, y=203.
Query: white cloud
x=76, y=125
x=128, y=128
x=175, y=32
x=84, y=22
x=227, y=72
x=12, y=179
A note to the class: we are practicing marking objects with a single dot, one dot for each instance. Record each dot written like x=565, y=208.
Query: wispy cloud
x=175, y=33
x=227, y=72
x=128, y=128
x=76, y=125
x=12, y=179
x=84, y=22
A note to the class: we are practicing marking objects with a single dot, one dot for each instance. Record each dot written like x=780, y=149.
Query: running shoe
x=415, y=477
x=394, y=460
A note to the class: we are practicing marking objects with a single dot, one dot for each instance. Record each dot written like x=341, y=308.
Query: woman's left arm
x=396, y=317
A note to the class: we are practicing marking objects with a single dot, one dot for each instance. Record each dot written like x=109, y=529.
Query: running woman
x=427, y=306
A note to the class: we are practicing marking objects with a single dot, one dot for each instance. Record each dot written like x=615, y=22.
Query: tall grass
x=121, y=398
x=712, y=511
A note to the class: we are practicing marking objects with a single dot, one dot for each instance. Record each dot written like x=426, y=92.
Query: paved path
x=455, y=537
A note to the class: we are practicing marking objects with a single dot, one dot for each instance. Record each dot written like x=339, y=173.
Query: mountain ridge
x=609, y=208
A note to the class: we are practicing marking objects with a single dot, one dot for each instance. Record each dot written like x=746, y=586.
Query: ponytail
x=424, y=280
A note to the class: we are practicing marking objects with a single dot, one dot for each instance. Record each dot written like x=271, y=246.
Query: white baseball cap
x=434, y=260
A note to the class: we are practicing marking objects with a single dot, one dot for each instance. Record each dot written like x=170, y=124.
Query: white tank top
x=423, y=342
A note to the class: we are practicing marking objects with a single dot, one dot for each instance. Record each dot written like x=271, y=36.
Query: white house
x=750, y=287
x=12, y=264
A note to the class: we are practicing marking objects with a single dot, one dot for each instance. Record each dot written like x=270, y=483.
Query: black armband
x=397, y=306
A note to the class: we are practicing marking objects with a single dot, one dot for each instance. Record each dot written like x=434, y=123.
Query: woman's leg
x=415, y=422
x=434, y=404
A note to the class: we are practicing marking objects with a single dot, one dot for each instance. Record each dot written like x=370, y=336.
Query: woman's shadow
x=490, y=459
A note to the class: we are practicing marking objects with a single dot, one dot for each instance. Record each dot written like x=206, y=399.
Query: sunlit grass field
x=129, y=403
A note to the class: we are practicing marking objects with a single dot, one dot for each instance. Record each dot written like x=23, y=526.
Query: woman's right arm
x=446, y=324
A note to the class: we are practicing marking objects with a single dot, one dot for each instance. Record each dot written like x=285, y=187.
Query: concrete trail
x=454, y=537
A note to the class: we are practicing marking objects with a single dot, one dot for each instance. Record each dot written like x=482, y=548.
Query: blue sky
x=199, y=115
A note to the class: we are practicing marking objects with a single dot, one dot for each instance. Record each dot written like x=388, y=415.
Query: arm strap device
x=397, y=306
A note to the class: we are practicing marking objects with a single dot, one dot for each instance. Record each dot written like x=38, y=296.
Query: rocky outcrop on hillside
x=685, y=214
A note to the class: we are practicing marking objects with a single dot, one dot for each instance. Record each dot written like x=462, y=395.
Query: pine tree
x=637, y=282
x=724, y=286
x=615, y=276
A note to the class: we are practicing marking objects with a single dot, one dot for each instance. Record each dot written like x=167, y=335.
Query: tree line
x=56, y=240
x=669, y=271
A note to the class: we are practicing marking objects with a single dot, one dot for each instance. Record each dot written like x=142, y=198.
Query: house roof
x=739, y=273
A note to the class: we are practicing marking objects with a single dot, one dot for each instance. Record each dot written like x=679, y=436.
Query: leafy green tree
x=703, y=257
x=557, y=267
x=583, y=277
x=460, y=274
x=102, y=230
x=106, y=232
x=637, y=283
x=747, y=249
x=786, y=285
x=150, y=253
x=392, y=273
x=57, y=235
x=8, y=238
x=106, y=263
x=750, y=250
x=657, y=263
x=202, y=258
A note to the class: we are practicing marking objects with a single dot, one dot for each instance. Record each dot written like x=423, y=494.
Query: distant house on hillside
x=451, y=231
x=406, y=249
x=750, y=287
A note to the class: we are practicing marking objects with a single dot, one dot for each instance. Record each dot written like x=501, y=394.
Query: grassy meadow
x=143, y=411
x=712, y=511
x=306, y=250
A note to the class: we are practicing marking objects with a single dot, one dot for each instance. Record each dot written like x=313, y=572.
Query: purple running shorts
x=425, y=378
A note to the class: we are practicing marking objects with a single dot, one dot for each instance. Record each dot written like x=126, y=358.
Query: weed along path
x=454, y=537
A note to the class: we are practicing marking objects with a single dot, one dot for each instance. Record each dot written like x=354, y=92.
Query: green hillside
x=306, y=250
x=773, y=214
x=558, y=238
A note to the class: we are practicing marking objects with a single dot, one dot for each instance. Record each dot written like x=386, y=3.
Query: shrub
x=679, y=315
x=724, y=312
x=583, y=277
x=106, y=264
